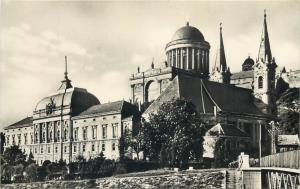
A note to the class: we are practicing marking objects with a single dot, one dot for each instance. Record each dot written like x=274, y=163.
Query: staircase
x=233, y=179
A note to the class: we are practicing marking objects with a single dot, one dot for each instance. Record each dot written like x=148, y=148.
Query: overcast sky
x=106, y=41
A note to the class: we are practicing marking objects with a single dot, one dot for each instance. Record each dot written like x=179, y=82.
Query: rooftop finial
x=220, y=26
x=187, y=23
x=265, y=13
x=66, y=67
x=152, y=64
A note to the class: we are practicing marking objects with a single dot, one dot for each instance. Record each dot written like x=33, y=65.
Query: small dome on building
x=75, y=99
x=248, y=63
x=188, y=33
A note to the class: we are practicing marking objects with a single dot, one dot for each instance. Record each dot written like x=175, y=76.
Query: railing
x=289, y=159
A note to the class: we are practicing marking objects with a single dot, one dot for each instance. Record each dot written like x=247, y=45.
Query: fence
x=289, y=159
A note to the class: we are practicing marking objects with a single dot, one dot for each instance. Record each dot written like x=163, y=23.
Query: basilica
x=237, y=106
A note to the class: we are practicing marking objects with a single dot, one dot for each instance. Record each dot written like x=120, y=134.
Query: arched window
x=260, y=82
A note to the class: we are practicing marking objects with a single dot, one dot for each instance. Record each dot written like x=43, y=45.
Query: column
x=172, y=57
x=207, y=61
x=181, y=58
x=132, y=93
x=176, y=58
x=187, y=58
x=198, y=59
x=193, y=58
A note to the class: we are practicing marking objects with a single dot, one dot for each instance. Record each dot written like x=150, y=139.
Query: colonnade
x=189, y=58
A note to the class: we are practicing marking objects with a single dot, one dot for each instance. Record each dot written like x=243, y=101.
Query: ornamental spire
x=66, y=83
x=265, y=47
x=223, y=65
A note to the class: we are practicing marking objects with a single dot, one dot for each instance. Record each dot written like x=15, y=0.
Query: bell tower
x=264, y=72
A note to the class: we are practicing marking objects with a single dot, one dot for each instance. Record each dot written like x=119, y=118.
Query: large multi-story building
x=72, y=122
x=240, y=106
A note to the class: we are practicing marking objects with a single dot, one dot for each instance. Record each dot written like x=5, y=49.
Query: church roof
x=243, y=74
x=26, y=122
x=116, y=107
x=188, y=33
x=206, y=95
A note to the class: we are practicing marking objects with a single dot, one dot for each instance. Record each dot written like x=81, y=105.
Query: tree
x=6, y=172
x=13, y=155
x=288, y=106
x=31, y=172
x=220, y=159
x=135, y=141
x=175, y=130
x=30, y=159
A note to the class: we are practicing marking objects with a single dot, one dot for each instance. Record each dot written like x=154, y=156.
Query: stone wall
x=150, y=179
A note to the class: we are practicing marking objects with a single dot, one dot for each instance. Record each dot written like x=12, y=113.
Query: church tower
x=264, y=72
x=221, y=73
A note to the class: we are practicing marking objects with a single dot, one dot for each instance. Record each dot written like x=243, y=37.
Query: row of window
x=56, y=137
x=94, y=131
x=113, y=147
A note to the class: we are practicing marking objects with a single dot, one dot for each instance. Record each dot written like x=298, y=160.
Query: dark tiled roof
x=243, y=74
x=122, y=107
x=227, y=130
x=207, y=94
x=104, y=108
x=288, y=140
x=26, y=122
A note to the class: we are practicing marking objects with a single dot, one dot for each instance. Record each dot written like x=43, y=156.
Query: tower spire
x=66, y=83
x=66, y=67
x=265, y=47
x=223, y=65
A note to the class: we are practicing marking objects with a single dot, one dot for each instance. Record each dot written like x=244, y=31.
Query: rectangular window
x=76, y=134
x=94, y=132
x=31, y=138
x=115, y=130
x=75, y=148
x=104, y=131
x=13, y=139
x=19, y=139
x=103, y=147
x=56, y=149
x=65, y=149
x=25, y=138
x=85, y=133
x=7, y=140
x=49, y=150
x=113, y=146
x=83, y=147
x=42, y=150
x=93, y=147
x=35, y=150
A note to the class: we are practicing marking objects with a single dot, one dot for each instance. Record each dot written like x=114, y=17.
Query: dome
x=188, y=33
x=77, y=99
x=248, y=63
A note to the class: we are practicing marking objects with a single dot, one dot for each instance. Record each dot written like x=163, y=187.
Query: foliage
x=222, y=154
x=42, y=172
x=30, y=159
x=13, y=155
x=135, y=141
x=220, y=159
x=6, y=172
x=288, y=107
x=31, y=172
x=174, y=133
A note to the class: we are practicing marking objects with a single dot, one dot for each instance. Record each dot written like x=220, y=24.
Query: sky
x=105, y=42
